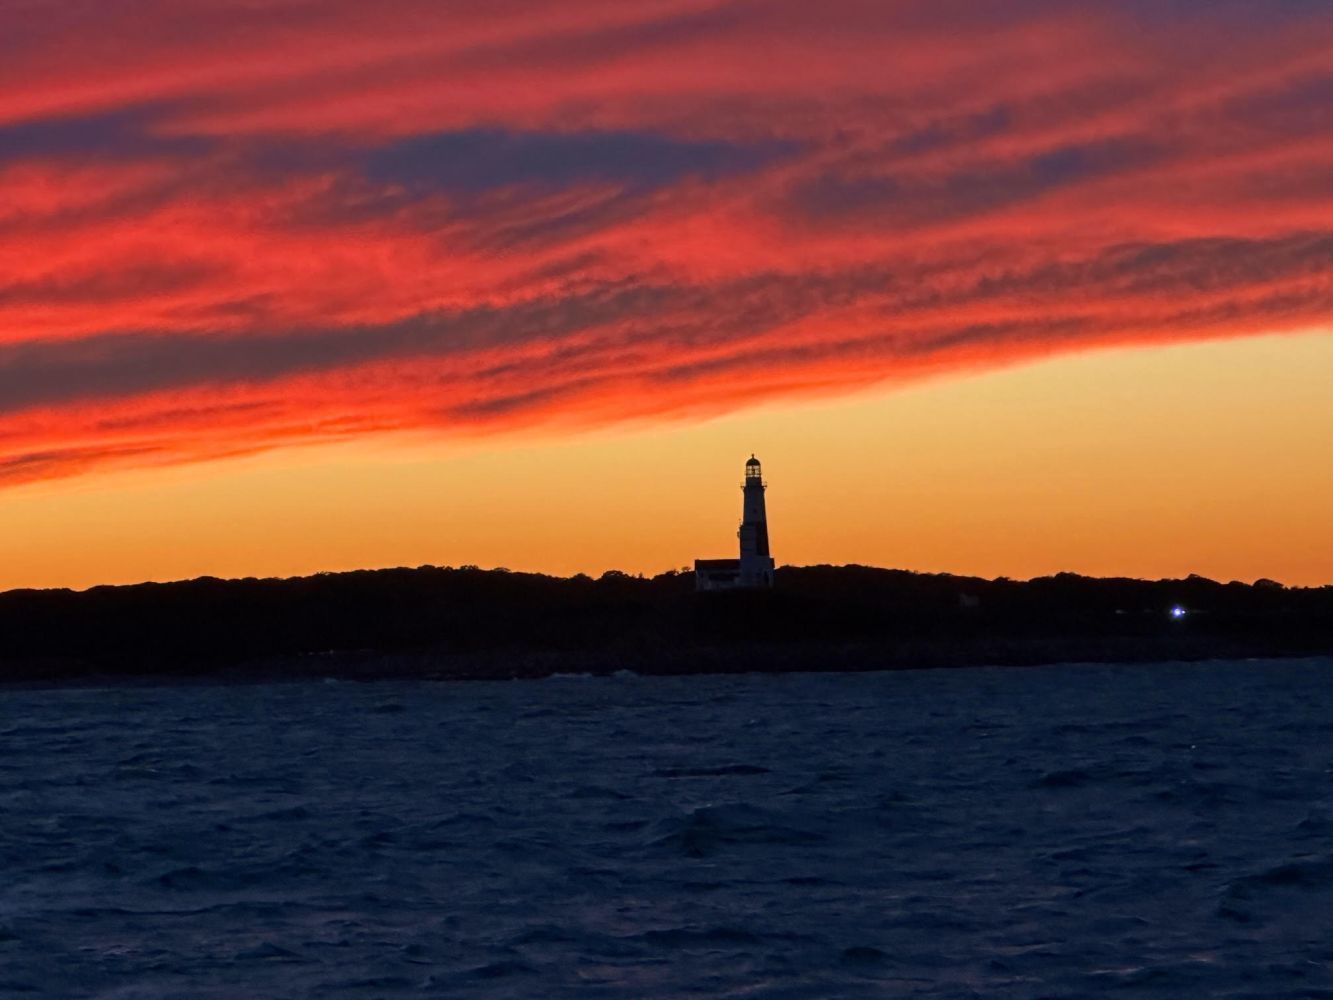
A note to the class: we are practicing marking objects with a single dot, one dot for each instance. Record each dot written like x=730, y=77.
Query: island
x=468, y=623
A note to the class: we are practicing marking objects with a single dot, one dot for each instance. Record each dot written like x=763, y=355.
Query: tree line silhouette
x=474, y=623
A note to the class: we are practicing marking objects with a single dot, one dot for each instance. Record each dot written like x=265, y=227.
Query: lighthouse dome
x=752, y=461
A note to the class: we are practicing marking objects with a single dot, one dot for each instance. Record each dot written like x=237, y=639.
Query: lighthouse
x=756, y=563
x=754, y=568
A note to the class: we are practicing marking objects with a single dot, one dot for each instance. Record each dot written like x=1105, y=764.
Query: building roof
x=717, y=565
x=752, y=461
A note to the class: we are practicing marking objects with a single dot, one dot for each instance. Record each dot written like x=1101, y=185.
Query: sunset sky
x=1002, y=287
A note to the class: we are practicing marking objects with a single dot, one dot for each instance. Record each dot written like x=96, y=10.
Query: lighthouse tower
x=755, y=566
x=756, y=562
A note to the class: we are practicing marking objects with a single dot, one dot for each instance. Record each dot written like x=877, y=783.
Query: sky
x=1003, y=288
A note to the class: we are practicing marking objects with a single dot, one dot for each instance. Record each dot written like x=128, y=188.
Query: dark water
x=1069, y=831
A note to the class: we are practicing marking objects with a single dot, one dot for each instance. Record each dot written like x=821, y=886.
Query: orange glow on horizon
x=1130, y=463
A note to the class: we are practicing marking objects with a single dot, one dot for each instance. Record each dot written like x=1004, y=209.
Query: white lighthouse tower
x=756, y=562
x=755, y=566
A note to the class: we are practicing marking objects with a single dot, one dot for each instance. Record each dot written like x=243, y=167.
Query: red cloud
x=225, y=232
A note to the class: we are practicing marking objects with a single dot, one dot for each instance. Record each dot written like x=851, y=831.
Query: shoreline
x=369, y=667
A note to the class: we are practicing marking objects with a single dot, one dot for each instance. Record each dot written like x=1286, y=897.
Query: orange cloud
x=233, y=231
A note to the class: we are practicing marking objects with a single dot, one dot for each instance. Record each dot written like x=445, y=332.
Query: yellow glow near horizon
x=1207, y=458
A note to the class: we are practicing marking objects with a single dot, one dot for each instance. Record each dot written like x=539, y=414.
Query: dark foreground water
x=1067, y=831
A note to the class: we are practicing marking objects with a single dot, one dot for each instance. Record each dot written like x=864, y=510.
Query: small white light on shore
x=1177, y=612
